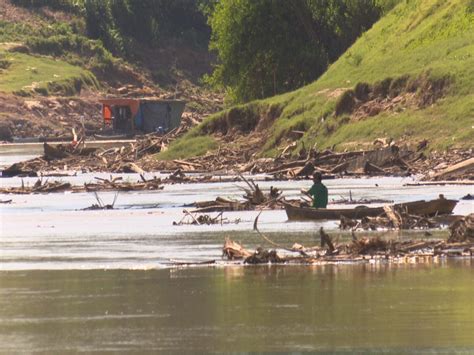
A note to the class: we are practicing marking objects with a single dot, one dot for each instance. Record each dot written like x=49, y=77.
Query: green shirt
x=320, y=195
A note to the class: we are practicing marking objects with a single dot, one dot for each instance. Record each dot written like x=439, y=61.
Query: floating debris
x=204, y=219
x=363, y=249
x=462, y=230
x=100, y=205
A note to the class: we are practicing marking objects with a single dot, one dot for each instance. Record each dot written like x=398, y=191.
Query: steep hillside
x=408, y=78
x=48, y=59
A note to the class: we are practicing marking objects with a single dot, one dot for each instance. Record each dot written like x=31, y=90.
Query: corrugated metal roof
x=128, y=100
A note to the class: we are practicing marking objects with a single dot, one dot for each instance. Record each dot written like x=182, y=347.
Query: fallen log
x=394, y=217
x=456, y=171
x=234, y=251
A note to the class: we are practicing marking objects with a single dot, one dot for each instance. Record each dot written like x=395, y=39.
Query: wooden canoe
x=439, y=206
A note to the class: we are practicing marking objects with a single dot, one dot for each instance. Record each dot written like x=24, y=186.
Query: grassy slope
x=434, y=38
x=423, y=36
x=27, y=72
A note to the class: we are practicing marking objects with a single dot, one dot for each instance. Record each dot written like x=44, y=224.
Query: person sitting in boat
x=318, y=192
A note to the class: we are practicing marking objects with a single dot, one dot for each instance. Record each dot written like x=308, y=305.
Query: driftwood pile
x=204, y=219
x=374, y=223
x=100, y=205
x=452, y=165
x=39, y=186
x=386, y=161
x=462, y=230
x=112, y=184
x=394, y=218
x=139, y=156
x=360, y=201
x=79, y=157
x=117, y=184
x=359, y=250
x=222, y=160
x=254, y=198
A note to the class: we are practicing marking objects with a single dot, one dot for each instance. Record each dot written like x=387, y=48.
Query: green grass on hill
x=423, y=41
x=26, y=73
x=194, y=145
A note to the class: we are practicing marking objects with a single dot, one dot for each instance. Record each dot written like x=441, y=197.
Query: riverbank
x=144, y=155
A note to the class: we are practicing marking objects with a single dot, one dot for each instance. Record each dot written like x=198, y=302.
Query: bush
x=63, y=5
x=382, y=88
x=91, y=53
x=4, y=63
x=362, y=91
x=346, y=103
x=398, y=85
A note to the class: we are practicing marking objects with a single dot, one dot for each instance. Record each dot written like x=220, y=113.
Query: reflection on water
x=343, y=308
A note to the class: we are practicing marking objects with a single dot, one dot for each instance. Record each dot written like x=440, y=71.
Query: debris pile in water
x=204, y=219
x=462, y=230
x=359, y=250
x=112, y=184
x=254, y=198
x=139, y=156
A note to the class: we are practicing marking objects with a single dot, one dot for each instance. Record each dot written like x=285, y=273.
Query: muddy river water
x=73, y=280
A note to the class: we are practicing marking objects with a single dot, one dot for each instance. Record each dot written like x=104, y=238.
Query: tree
x=267, y=47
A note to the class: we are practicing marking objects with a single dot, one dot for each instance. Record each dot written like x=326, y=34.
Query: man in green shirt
x=318, y=191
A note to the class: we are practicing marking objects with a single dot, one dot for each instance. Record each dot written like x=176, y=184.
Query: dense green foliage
x=102, y=35
x=60, y=40
x=64, y=5
x=266, y=47
x=120, y=23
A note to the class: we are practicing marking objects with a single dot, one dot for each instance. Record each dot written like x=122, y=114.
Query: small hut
x=129, y=115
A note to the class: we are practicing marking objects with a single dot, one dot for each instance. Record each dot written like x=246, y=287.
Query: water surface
x=96, y=281
x=347, y=308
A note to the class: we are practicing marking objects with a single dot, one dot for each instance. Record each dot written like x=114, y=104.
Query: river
x=74, y=280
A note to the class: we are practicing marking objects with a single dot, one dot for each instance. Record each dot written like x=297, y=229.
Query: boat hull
x=421, y=208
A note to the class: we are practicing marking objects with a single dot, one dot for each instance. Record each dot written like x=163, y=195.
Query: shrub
x=398, y=85
x=63, y=5
x=382, y=88
x=4, y=63
x=362, y=91
x=345, y=103
x=91, y=53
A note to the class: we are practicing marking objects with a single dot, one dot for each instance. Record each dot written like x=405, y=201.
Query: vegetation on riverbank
x=408, y=78
x=26, y=74
x=121, y=42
